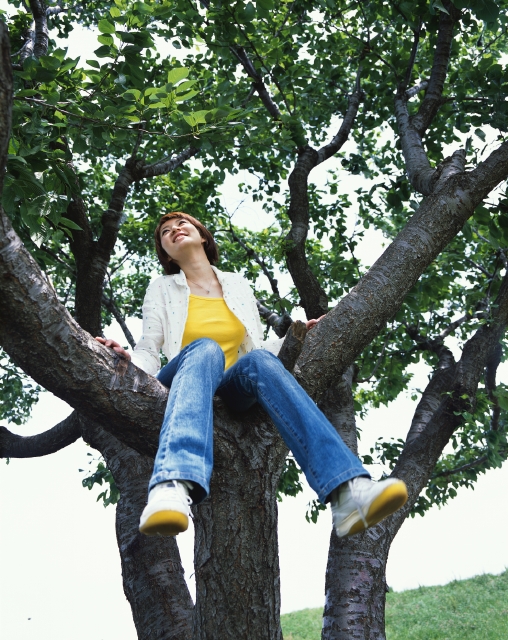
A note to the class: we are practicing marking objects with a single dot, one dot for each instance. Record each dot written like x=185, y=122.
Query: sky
x=60, y=572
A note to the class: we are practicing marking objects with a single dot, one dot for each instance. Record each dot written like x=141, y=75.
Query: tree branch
x=38, y=9
x=413, y=91
x=352, y=110
x=280, y=324
x=340, y=337
x=313, y=297
x=432, y=101
x=258, y=83
x=412, y=57
x=457, y=387
x=292, y=345
x=167, y=165
x=112, y=308
x=252, y=254
x=422, y=177
x=60, y=436
x=6, y=94
x=464, y=467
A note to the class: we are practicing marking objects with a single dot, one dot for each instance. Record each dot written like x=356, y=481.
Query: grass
x=474, y=609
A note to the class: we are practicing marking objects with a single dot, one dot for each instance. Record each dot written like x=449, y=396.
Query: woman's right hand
x=115, y=346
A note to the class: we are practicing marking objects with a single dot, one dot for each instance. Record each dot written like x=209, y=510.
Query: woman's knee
x=263, y=360
x=207, y=348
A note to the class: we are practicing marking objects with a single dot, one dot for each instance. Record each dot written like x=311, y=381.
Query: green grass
x=474, y=609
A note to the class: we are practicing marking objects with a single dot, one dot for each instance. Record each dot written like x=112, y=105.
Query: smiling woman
x=207, y=324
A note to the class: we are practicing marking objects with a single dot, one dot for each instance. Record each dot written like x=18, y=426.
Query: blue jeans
x=197, y=373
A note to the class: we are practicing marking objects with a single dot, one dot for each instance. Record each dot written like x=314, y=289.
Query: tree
x=272, y=89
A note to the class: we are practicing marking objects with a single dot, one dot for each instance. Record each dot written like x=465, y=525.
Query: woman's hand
x=311, y=323
x=115, y=346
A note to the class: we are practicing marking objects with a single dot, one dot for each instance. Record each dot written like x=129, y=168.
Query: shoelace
x=174, y=485
x=355, y=497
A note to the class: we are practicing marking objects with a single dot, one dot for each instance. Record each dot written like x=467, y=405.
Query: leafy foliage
x=102, y=475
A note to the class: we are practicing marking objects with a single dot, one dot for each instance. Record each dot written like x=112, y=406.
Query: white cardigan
x=165, y=313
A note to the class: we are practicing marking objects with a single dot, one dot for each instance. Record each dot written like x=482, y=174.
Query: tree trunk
x=153, y=576
x=355, y=586
x=355, y=574
x=236, y=549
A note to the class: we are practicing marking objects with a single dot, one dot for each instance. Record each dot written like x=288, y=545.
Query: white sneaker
x=168, y=509
x=361, y=503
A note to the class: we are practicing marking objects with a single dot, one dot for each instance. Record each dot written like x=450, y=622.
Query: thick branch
x=339, y=338
x=313, y=298
x=60, y=436
x=293, y=344
x=280, y=324
x=44, y=340
x=413, y=91
x=258, y=83
x=458, y=394
x=6, y=93
x=38, y=9
x=422, y=177
x=420, y=174
x=27, y=50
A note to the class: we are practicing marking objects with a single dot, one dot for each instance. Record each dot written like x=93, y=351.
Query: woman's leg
x=319, y=450
x=186, y=438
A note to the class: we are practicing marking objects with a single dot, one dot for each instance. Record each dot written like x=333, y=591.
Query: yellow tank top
x=212, y=318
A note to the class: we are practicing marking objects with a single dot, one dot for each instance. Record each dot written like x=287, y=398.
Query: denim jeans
x=197, y=373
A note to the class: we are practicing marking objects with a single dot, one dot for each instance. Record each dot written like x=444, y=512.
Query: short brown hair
x=212, y=253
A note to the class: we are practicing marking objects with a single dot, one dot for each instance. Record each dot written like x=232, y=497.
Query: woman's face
x=179, y=237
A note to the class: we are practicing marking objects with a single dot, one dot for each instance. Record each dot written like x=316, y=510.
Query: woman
x=208, y=326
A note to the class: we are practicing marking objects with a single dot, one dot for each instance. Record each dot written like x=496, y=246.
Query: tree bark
x=355, y=573
x=153, y=576
x=5, y=98
x=236, y=550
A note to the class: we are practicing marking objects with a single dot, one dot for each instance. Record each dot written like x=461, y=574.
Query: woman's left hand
x=310, y=323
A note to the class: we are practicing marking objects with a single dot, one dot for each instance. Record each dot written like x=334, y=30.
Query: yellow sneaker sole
x=165, y=523
x=388, y=502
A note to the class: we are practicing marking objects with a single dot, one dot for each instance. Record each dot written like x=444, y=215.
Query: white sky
x=60, y=568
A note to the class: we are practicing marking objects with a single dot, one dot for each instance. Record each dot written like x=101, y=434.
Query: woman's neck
x=197, y=269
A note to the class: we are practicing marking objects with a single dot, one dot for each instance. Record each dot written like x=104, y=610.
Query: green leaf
x=187, y=96
x=105, y=26
x=105, y=40
x=437, y=4
x=480, y=134
x=177, y=74
x=70, y=224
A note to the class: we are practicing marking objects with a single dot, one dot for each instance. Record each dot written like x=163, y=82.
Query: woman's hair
x=212, y=253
